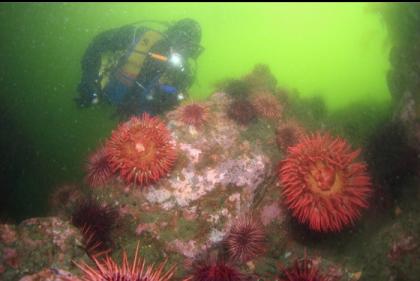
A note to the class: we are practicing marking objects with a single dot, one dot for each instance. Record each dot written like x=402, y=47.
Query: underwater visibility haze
x=218, y=141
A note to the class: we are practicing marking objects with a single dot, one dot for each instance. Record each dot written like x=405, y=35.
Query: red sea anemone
x=246, y=240
x=107, y=269
x=140, y=150
x=214, y=271
x=302, y=270
x=288, y=134
x=194, y=114
x=322, y=185
x=98, y=169
x=267, y=105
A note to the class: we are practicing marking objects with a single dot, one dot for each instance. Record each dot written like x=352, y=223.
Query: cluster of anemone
x=140, y=151
x=266, y=105
x=323, y=184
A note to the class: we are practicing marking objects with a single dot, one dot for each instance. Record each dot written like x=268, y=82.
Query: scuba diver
x=140, y=69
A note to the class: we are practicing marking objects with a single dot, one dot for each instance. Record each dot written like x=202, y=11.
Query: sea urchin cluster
x=322, y=185
x=140, y=150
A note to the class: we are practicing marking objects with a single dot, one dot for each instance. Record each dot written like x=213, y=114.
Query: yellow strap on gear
x=135, y=60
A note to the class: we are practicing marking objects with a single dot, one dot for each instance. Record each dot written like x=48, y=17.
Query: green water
x=337, y=51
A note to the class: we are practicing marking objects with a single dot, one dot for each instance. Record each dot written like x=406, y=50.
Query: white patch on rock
x=192, y=153
x=156, y=195
x=216, y=235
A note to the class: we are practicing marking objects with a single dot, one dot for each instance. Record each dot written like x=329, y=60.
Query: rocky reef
x=224, y=171
x=221, y=174
x=404, y=76
x=42, y=246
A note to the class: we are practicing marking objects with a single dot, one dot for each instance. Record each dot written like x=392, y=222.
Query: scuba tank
x=124, y=77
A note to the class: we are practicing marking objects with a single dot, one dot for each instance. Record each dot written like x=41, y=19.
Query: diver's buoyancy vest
x=122, y=80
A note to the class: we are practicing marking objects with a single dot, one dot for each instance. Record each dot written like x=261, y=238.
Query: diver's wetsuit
x=121, y=40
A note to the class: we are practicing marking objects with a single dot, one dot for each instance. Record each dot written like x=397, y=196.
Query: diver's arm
x=112, y=40
x=185, y=79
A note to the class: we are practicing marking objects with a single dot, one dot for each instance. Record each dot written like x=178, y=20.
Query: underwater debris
x=322, y=185
x=140, y=150
x=98, y=169
x=246, y=239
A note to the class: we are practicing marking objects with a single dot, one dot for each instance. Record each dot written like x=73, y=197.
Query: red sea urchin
x=322, y=185
x=288, y=134
x=267, y=105
x=96, y=222
x=246, y=240
x=194, y=114
x=107, y=269
x=242, y=112
x=98, y=169
x=214, y=271
x=302, y=270
x=140, y=150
